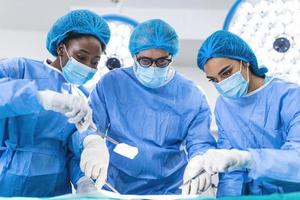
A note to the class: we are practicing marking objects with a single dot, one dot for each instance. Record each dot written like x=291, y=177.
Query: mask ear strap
x=241, y=64
x=248, y=73
x=247, y=70
x=60, y=63
x=170, y=72
x=66, y=51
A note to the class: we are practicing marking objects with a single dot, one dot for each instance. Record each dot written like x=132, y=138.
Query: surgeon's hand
x=95, y=159
x=85, y=185
x=224, y=160
x=195, y=184
x=73, y=107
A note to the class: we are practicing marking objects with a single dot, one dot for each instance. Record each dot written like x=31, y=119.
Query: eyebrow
x=220, y=72
x=85, y=51
x=152, y=58
x=224, y=69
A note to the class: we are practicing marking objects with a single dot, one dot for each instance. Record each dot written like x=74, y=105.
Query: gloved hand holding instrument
x=195, y=179
x=95, y=156
x=75, y=108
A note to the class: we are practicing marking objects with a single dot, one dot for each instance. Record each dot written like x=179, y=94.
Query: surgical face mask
x=234, y=86
x=152, y=77
x=75, y=72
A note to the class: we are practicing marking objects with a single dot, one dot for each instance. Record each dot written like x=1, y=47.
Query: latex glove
x=95, y=159
x=73, y=107
x=199, y=184
x=85, y=185
x=224, y=160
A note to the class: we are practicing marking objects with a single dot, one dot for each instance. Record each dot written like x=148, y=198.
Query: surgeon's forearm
x=275, y=164
x=18, y=97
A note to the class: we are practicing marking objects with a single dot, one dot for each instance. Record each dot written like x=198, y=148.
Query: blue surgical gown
x=160, y=122
x=36, y=157
x=267, y=124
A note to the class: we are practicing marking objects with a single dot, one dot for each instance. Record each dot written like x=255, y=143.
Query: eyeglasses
x=159, y=62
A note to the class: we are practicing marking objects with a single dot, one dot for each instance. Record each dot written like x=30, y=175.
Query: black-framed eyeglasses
x=159, y=62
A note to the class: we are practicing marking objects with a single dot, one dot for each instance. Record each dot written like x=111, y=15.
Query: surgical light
x=117, y=53
x=272, y=29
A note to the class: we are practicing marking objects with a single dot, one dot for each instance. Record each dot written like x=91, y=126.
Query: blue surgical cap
x=223, y=44
x=153, y=34
x=77, y=21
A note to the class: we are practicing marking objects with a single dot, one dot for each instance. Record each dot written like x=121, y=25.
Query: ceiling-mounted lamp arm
x=119, y=5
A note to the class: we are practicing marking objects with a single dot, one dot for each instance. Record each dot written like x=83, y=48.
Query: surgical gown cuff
x=252, y=167
x=197, y=153
x=201, y=151
x=30, y=100
x=77, y=141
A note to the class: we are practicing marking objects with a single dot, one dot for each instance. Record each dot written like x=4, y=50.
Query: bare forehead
x=87, y=44
x=216, y=64
x=85, y=41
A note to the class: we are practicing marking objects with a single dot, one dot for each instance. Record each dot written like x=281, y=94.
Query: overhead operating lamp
x=117, y=53
x=272, y=29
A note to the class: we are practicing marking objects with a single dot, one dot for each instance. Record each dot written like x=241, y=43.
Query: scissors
x=198, y=174
x=111, y=187
x=122, y=149
x=108, y=138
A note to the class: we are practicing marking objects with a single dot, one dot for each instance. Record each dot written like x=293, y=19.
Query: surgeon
x=258, y=119
x=154, y=108
x=39, y=105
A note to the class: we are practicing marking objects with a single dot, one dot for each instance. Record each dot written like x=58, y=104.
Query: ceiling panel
x=39, y=14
